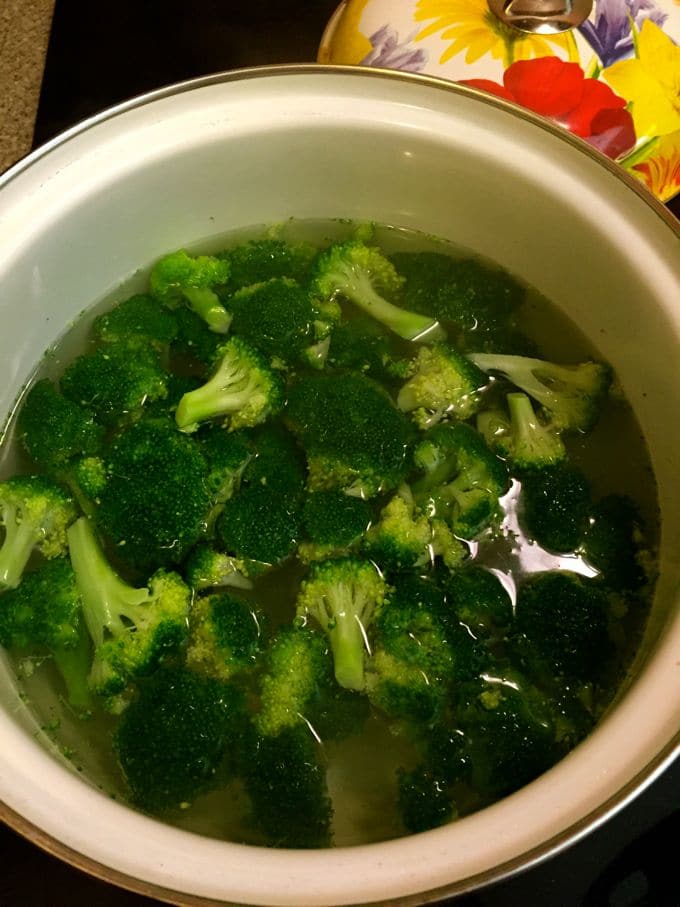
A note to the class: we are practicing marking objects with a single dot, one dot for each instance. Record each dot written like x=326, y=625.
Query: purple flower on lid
x=388, y=53
x=610, y=35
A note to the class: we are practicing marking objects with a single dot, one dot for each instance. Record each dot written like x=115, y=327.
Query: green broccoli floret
x=156, y=499
x=614, y=543
x=137, y=320
x=115, y=382
x=206, y=568
x=511, y=732
x=195, y=340
x=278, y=463
x=54, y=430
x=404, y=537
x=285, y=777
x=259, y=525
x=479, y=301
x=295, y=670
x=555, y=506
x=444, y=385
x=357, y=272
x=131, y=628
x=267, y=259
x=227, y=454
x=44, y=612
x=571, y=394
x=35, y=513
x=561, y=625
x=224, y=636
x=462, y=480
x=276, y=317
x=172, y=739
x=419, y=650
x=179, y=278
x=354, y=436
x=360, y=345
x=333, y=522
x=523, y=440
x=243, y=390
x=343, y=597
x=479, y=601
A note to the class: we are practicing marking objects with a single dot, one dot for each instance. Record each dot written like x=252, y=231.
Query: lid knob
x=544, y=17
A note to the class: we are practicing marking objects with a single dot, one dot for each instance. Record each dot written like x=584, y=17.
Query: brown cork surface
x=24, y=31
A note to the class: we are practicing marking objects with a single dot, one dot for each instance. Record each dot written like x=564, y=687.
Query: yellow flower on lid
x=469, y=25
x=660, y=172
x=651, y=82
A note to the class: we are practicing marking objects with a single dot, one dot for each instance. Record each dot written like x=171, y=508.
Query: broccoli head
x=354, y=436
x=343, y=596
x=571, y=394
x=259, y=525
x=444, y=385
x=227, y=455
x=172, y=738
x=243, y=391
x=268, y=259
x=55, y=430
x=333, y=523
x=131, y=628
x=224, y=636
x=358, y=272
x=276, y=317
x=479, y=601
x=555, y=506
x=614, y=543
x=523, y=440
x=138, y=320
x=181, y=278
x=359, y=345
x=195, y=341
x=35, y=513
x=206, y=568
x=462, y=479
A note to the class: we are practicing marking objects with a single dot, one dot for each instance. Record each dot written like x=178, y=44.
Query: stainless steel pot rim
x=604, y=811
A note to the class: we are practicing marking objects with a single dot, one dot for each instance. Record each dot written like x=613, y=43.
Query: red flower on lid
x=560, y=90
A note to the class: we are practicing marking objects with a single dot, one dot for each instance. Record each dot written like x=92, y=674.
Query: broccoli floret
x=195, y=340
x=561, y=626
x=523, y=440
x=258, y=525
x=285, y=778
x=179, y=278
x=156, y=499
x=267, y=259
x=555, y=506
x=463, y=480
x=206, y=568
x=444, y=385
x=278, y=463
x=614, y=543
x=172, y=738
x=243, y=390
x=354, y=436
x=295, y=670
x=137, y=320
x=227, y=454
x=479, y=301
x=44, y=611
x=571, y=394
x=419, y=650
x=480, y=601
x=276, y=317
x=511, y=731
x=404, y=537
x=54, y=430
x=356, y=271
x=360, y=345
x=333, y=522
x=343, y=597
x=35, y=513
x=224, y=636
x=115, y=382
x=131, y=628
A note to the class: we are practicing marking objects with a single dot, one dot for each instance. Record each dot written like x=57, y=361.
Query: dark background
x=104, y=52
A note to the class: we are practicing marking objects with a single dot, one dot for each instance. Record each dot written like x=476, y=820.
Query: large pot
x=256, y=147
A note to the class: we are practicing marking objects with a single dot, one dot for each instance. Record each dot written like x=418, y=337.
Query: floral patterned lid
x=614, y=80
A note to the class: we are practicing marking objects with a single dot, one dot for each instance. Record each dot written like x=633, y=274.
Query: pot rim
x=603, y=811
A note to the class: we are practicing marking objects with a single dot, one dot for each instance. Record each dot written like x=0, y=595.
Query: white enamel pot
x=255, y=147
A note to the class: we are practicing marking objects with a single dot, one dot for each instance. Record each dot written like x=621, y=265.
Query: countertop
x=616, y=866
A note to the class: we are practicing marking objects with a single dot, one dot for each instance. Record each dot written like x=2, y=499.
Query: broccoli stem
x=409, y=325
x=226, y=392
x=16, y=549
x=348, y=644
x=106, y=597
x=74, y=666
x=207, y=306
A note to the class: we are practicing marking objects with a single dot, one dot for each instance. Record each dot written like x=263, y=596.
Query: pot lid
x=608, y=71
